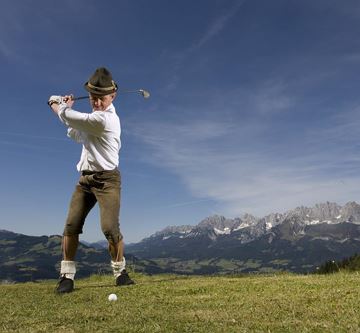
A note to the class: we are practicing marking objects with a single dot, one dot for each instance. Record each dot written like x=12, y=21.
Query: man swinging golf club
x=100, y=181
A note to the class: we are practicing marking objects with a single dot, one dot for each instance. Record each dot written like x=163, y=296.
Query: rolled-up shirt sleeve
x=93, y=123
x=76, y=135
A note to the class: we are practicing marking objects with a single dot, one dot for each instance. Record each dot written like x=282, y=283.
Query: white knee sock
x=118, y=267
x=68, y=269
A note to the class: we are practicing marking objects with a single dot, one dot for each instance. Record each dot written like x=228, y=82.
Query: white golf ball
x=112, y=298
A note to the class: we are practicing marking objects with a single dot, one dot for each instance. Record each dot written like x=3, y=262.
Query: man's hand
x=68, y=99
x=54, y=101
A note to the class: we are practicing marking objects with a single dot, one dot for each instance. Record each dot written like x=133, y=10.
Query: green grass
x=169, y=303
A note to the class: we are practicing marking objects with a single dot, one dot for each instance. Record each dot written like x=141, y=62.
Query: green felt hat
x=101, y=83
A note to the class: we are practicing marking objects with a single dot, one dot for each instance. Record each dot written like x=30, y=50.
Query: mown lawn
x=169, y=303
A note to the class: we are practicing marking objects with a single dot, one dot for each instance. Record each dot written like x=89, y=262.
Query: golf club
x=142, y=92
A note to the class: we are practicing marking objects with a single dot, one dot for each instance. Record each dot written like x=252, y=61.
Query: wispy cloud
x=22, y=143
x=11, y=27
x=21, y=148
x=217, y=25
x=215, y=28
x=5, y=50
x=31, y=136
x=189, y=203
x=240, y=168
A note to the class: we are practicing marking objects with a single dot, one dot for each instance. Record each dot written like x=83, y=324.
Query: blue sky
x=254, y=107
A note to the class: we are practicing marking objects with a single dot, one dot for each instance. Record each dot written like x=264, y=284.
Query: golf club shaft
x=81, y=97
x=143, y=92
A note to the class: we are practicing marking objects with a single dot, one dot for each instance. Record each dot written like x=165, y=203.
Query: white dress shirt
x=99, y=132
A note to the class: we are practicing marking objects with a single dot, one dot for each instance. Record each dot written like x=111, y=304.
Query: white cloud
x=270, y=98
x=215, y=28
x=5, y=50
x=217, y=25
x=232, y=164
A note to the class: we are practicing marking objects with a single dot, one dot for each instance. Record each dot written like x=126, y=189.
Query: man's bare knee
x=113, y=238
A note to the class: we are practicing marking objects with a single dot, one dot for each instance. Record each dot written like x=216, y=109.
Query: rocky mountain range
x=329, y=213
x=298, y=240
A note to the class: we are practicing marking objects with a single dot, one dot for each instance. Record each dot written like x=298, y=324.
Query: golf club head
x=144, y=93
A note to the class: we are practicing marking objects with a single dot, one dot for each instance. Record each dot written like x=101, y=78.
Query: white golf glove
x=55, y=99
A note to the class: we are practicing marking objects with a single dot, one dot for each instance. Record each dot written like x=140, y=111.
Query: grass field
x=169, y=303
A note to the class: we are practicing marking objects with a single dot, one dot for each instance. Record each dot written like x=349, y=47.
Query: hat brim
x=99, y=90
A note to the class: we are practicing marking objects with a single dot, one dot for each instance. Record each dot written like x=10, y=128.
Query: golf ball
x=112, y=298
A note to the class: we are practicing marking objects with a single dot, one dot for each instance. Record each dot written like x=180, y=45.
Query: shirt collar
x=110, y=108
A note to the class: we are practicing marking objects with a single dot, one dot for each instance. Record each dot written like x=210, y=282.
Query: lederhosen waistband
x=89, y=172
